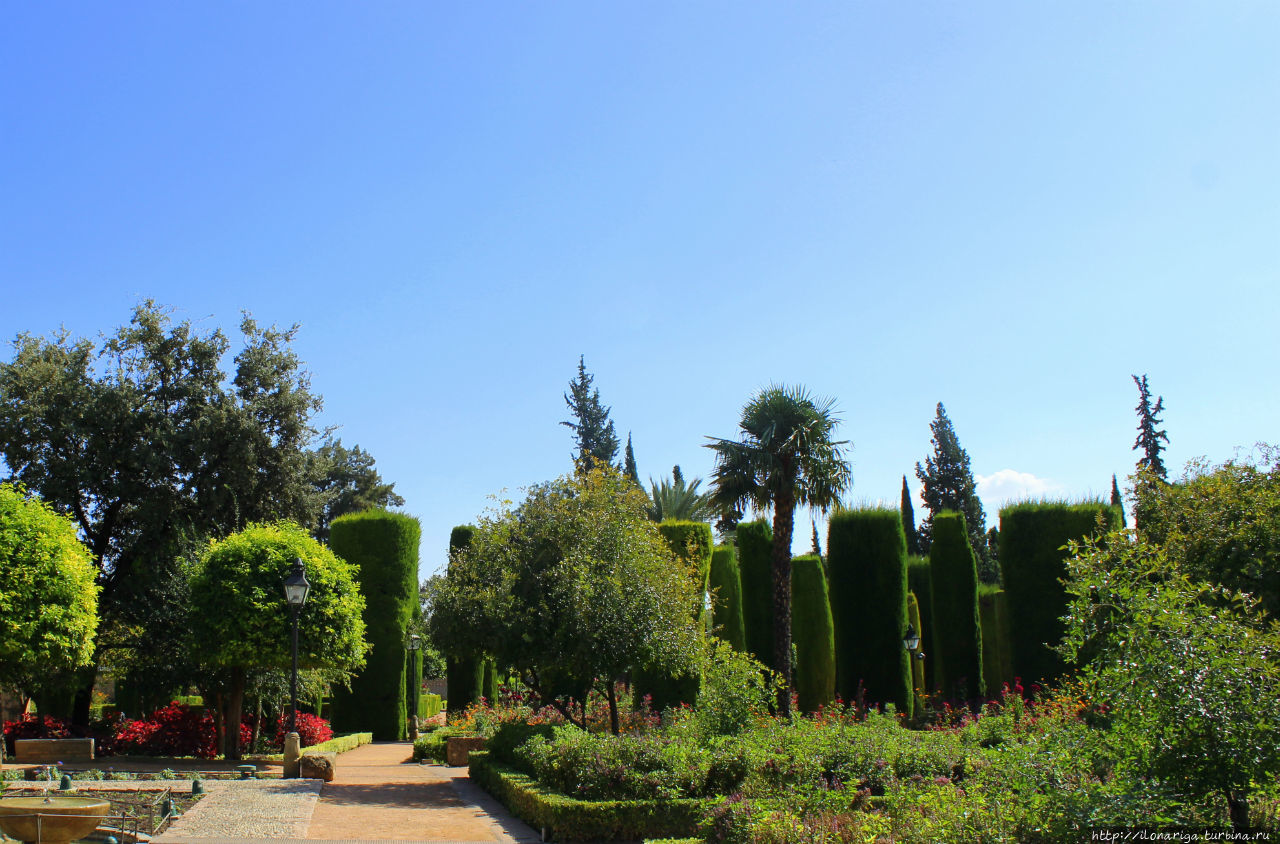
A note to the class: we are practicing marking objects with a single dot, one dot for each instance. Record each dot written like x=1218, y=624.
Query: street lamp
x=415, y=642
x=911, y=639
x=296, y=588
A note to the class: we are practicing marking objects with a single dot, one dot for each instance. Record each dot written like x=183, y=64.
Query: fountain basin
x=55, y=821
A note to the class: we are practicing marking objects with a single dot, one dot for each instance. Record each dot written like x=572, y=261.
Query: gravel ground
x=235, y=809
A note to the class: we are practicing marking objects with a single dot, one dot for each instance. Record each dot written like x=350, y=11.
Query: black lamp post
x=415, y=642
x=911, y=639
x=296, y=588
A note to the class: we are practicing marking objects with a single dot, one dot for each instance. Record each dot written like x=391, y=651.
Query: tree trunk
x=1238, y=811
x=80, y=707
x=235, y=714
x=612, y=694
x=257, y=726
x=783, y=519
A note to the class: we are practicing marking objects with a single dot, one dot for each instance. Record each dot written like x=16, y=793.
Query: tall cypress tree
x=909, y=520
x=947, y=484
x=1149, y=436
x=592, y=429
x=1116, y=501
x=629, y=463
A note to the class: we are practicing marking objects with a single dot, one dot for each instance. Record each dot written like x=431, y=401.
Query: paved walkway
x=377, y=795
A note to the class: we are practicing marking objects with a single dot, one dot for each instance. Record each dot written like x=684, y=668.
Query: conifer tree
x=817, y=546
x=909, y=520
x=629, y=463
x=1149, y=436
x=1117, y=501
x=592, y=429
x=947, y=484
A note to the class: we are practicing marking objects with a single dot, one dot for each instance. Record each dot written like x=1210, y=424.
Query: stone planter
x=458, y=750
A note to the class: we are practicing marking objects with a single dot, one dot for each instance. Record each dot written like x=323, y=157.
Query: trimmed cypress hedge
x=957, y=637
x=490, y=681
x=384, y=546
x=413, y=678
x=918, y=658
x=726, y=586
x=812, y=634
x=867, y=565
x=920, y=581
x=1033, y=536
x=692, y=543
x=755, y=566
x=997, y=660
x=464, y=676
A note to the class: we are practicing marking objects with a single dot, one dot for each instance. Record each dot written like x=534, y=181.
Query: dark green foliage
x=947, y=484
x=1149, y=436
x=755, y=543
x=997, y=658
x=347, y=482
x=490, y=681
x=464, y=683
x=692, y=543
x=679, y=500
x=909, y=520
x=1033, y=537
x=1116, y=501
x=413, y=684
x=917, y=656
x=593, y=431
x=920, y=582
x=812, y=633
x=726, y=586
x=957, y=637
x=867, y=561
x=568, y=819
x=629, y=463
x=385, y=548
x=460, y=537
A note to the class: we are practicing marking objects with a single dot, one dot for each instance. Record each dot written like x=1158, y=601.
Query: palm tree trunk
x=784, y=507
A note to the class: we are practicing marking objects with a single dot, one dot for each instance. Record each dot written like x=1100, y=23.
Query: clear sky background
x=1005, y=207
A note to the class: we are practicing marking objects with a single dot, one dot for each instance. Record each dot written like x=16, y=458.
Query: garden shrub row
x=384, y=546
x=812, y=634
x=429, y=705
x=957, y=635
x=464, y=674
x=997, y=658
x=867, y=564
x=1033, y=539
x=569, y=819
x=755, y=547
x=726, y=586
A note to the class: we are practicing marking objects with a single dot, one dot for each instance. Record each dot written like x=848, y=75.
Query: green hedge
x=867, y=567
x=918, y=658
x=567, y=819
x=726, y=585
x=384, y=546
x=464, y=676
x=755, y=550
x=429, y=705
x=691, y=542
x=920, y=581
x=1033, y=537
x=997, y=659
x=957, y=633
x=337, y=744
x=812, y=634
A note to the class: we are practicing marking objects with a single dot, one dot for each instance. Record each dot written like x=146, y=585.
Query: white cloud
x=1006, y=485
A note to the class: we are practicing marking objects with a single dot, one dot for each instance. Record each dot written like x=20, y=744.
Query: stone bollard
x=292, y=752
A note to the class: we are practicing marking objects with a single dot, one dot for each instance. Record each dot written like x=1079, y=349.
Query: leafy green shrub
x=384, y=546
x=726, y=586
x=1033, y=553
x=811, y=633
x=429, y=705
x=512, y=735
x=867, y=565
x=735, y=691
x=997, y=659
x=755, y=548
x=434, y=744
x=957, y=637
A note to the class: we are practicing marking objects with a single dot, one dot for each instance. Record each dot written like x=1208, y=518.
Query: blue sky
x=1008, y=208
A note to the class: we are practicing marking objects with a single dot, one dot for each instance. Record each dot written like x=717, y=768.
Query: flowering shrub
x=33, y=727
x=312, y=729
x=174, y=730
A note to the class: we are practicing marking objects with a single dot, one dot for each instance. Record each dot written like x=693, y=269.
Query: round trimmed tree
x=240, y=619
x=48, y=593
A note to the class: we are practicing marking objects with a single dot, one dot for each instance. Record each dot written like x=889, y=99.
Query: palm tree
x=786, y=457
x=678, y=500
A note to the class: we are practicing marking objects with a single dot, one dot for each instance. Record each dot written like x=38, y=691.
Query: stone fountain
x=51, y=820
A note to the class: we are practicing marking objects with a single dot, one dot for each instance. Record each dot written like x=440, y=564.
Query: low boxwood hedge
x=337, y=744
x=568, y=819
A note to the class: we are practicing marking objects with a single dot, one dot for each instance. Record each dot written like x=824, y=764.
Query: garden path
x=377, y=795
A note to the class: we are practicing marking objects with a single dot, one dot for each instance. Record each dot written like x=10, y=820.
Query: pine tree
x=947, y=484
x=817, y=546
x=629, y=463
x=909, y=520
x=592, y=429
x=1149, y=436
x=1117, y=501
